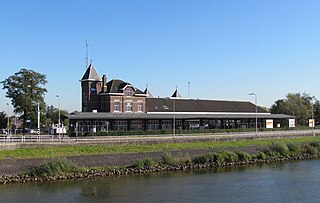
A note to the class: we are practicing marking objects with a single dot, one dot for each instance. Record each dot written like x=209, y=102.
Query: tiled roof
x=91, y=74
x=116, y=86
x=114, y=116
x=196, y=105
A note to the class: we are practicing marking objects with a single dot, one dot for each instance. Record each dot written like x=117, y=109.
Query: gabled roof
x=163, y=105
x=116, y=86
x=91, y=74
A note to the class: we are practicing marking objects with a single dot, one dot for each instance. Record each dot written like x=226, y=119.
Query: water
x=281, y=182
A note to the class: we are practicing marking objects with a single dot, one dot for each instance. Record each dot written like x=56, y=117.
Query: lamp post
x=255, y=102
x=174, y=118
x=58, y=116
x=313, y=123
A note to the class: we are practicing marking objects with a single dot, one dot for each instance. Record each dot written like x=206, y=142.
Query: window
x=120, y=125
x=128, y=105
x=128, y=92
x=116, y=106
x=136, y=125
x=153, y=125
x=166, y=124
x=140, y=107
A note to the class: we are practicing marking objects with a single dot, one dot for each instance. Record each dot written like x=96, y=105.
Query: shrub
x=243, y=156
x=261, y=156
x=231, y=157
x=168, y=159
x=311, y=150
x=294, y=148
x=219, y=158
x=315, y=144
x=281, y=148
x=147, y=162
x=54, y=168
x=204, y=159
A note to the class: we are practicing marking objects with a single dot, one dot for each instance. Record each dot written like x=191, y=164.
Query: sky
x=226, y=49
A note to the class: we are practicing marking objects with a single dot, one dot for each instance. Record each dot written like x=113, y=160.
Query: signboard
x=292, y=123
x=311, y=123
x=269, y=123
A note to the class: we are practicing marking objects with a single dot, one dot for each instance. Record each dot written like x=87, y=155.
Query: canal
x=296, y=181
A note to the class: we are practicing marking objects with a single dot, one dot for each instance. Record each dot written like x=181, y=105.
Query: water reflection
x=280, y=182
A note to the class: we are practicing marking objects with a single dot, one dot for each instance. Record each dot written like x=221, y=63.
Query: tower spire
x=87, y=53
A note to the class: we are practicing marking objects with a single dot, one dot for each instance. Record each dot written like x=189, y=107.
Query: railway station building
x=120, y=106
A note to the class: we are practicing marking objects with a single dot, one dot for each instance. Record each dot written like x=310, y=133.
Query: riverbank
x=93, y=173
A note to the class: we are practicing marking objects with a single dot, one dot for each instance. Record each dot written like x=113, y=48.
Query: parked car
x=3, y=131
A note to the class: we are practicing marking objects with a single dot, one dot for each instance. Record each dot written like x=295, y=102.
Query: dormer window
x=128, y=92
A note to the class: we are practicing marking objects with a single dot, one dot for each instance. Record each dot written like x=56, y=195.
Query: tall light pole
x=174, y=118
x=59, y=115
x=313, y=123
x=256, y=113
x=188, y=90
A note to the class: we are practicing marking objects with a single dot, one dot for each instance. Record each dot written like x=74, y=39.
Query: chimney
x=104, y=83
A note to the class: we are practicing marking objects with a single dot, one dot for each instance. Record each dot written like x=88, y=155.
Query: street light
x=58, y=116
x=255, y=101
x=313, y=123
x=174, y=117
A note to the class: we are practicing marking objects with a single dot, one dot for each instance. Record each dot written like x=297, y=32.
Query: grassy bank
x=134, y=148
x=280, y=151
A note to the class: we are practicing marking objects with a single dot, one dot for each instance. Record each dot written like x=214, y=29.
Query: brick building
x=118, y=105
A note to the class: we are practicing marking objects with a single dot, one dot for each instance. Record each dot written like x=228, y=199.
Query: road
x=64, y=140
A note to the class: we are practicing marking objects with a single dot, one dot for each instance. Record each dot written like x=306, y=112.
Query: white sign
x=269, y=123
x=292, y=123
x=311, y=123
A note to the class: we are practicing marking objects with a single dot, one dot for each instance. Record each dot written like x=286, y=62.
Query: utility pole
x=59, y=116
x=256, y=113
x=38, y=112
x=189, y=89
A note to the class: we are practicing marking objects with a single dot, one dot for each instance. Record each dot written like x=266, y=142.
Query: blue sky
x=225, y=49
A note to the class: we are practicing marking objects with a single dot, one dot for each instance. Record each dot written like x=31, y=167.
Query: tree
x=52, y=115
x=3, y=120
x=26, y=91
x=296, y=104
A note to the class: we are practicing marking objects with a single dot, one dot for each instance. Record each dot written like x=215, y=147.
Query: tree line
x=26, y=90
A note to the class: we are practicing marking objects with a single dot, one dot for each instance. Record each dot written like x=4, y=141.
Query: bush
x=147, y=162
x=52, y=168
x=168, y=159
x=243, y=156
x=294, y=148
x=281, y=148
x=315, y=144
x=231, y=157
x=204, y=159
x=310, y=150
x=261, y=156
x=219, y=158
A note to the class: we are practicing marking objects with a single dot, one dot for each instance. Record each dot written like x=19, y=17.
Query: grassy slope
x=91, y=150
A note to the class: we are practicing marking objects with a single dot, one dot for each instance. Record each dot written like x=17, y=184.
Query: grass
x=133, y=148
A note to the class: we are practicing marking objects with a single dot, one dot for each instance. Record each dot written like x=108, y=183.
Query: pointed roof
x=148, y=93
x=176, y=94
x=91, y=74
